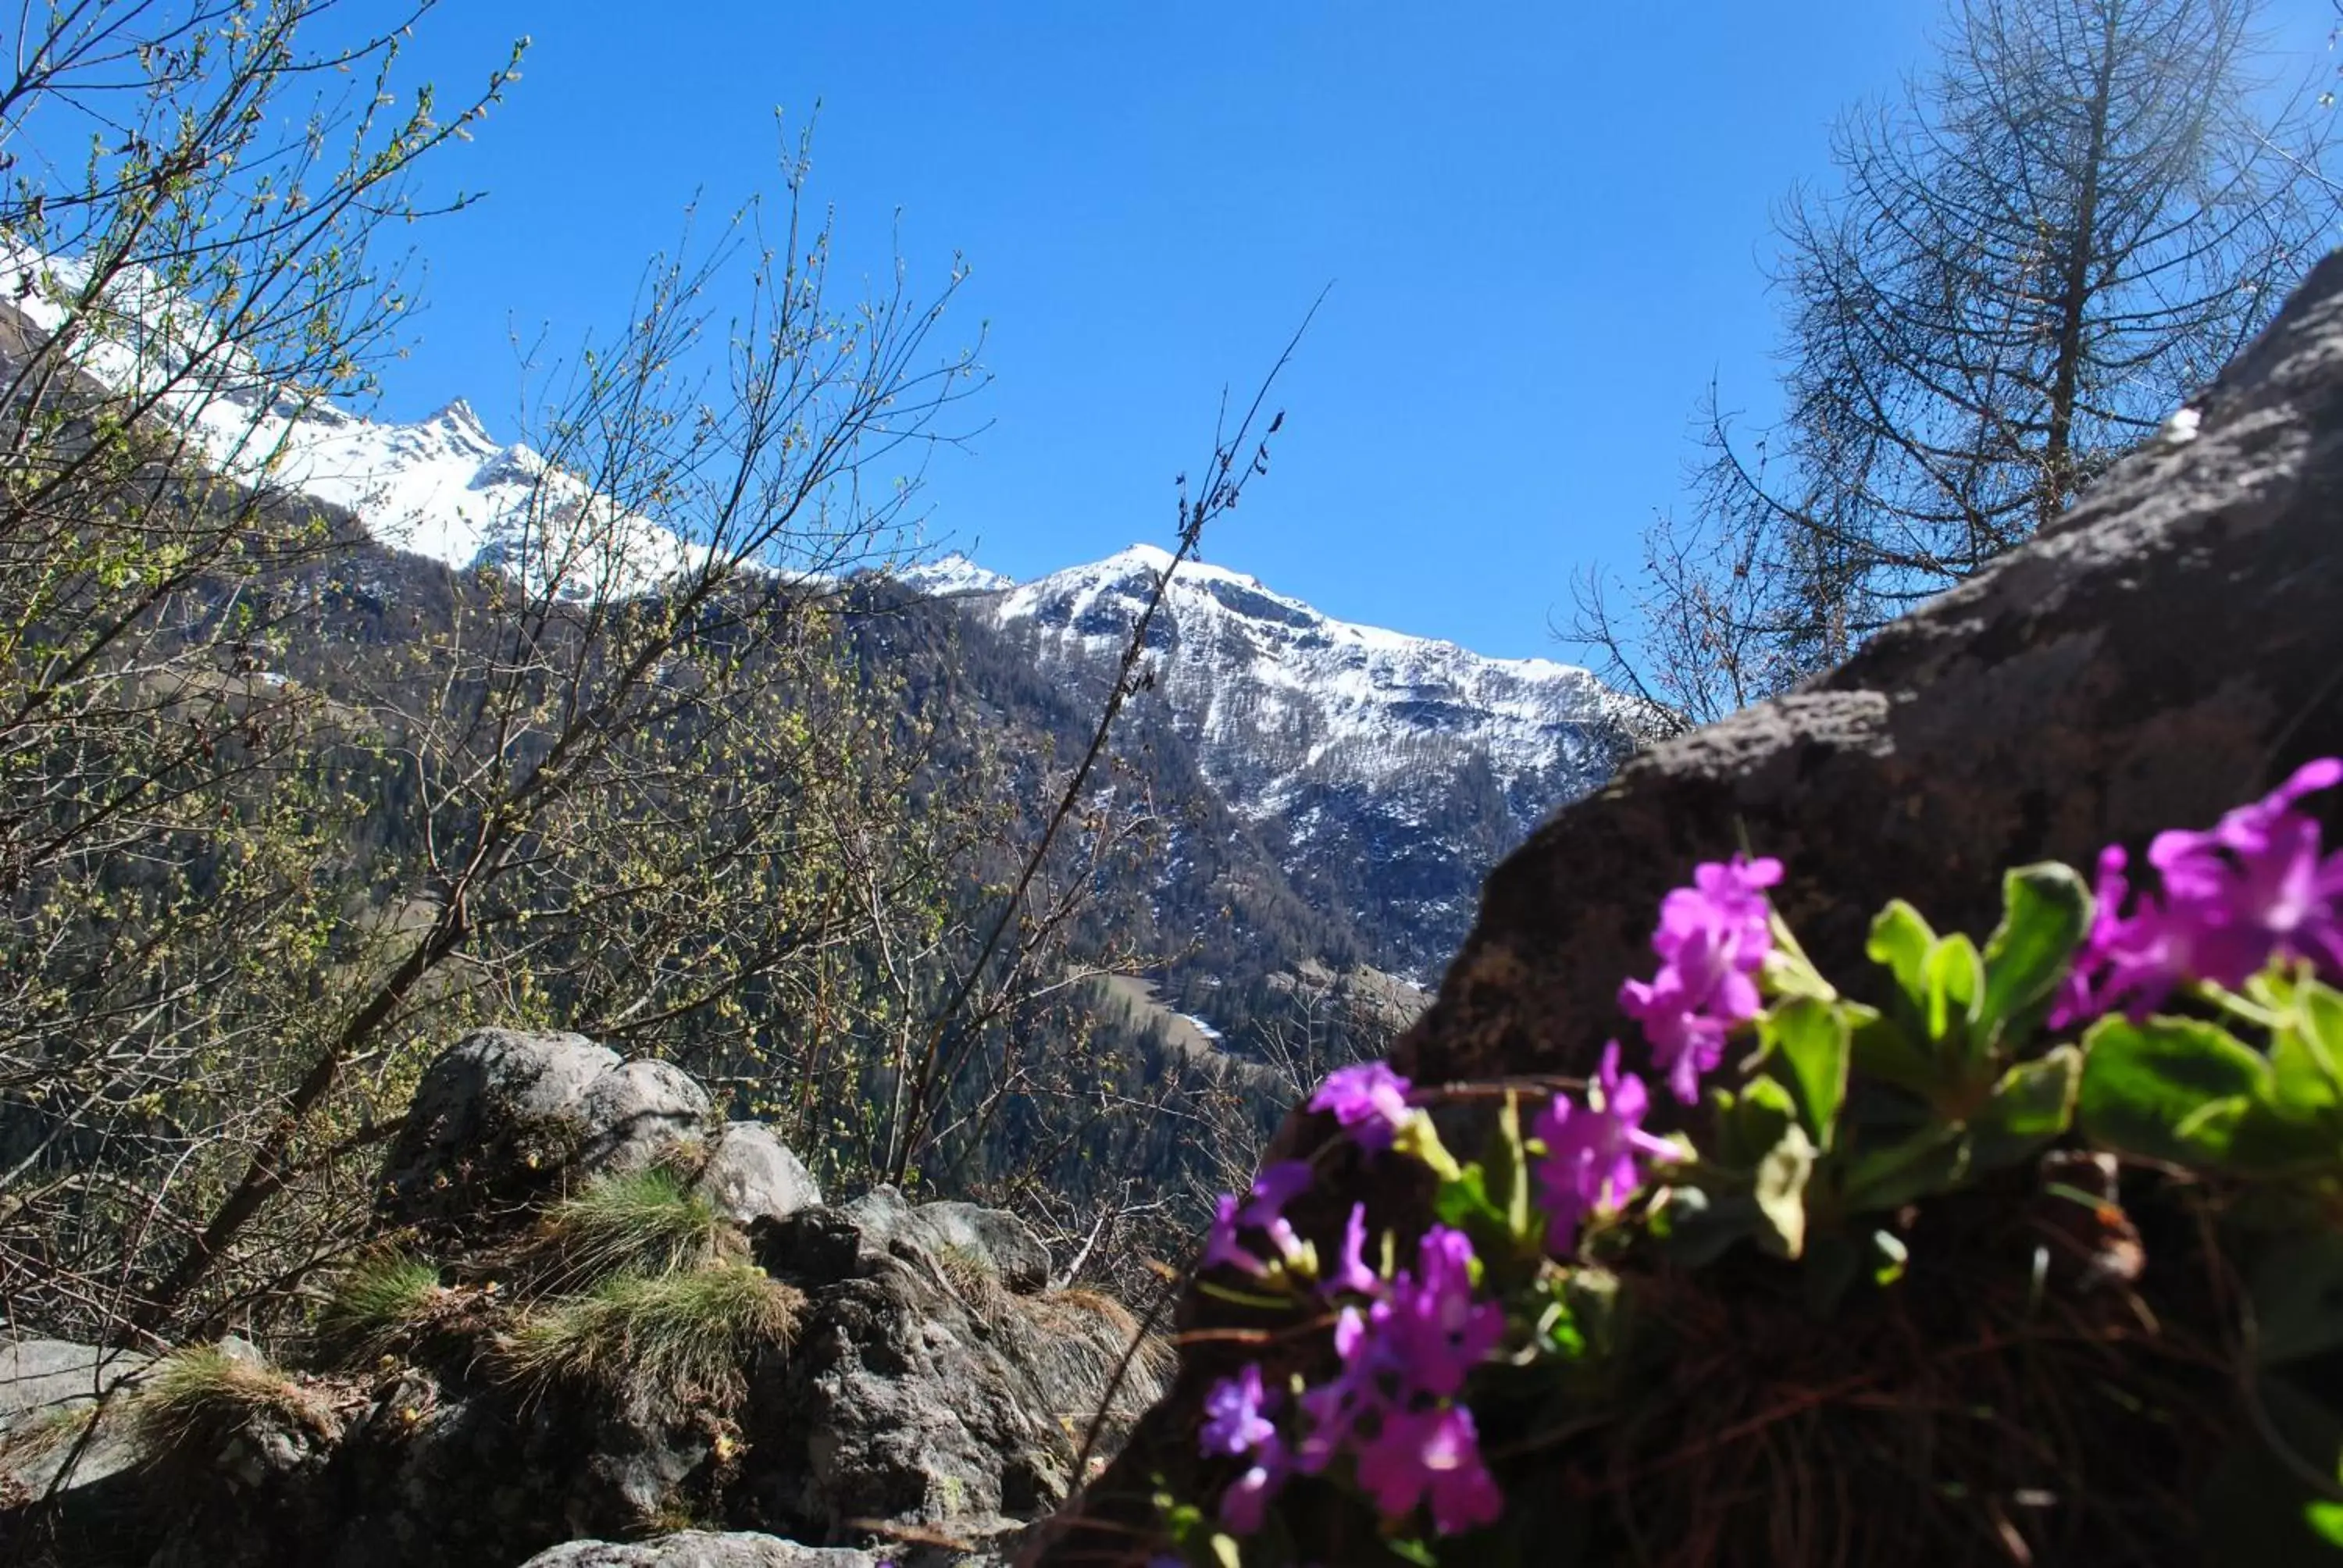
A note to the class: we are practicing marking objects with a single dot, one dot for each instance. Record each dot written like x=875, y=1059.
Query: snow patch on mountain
x=1278, y=695
x=441, y=487
x=949, y=576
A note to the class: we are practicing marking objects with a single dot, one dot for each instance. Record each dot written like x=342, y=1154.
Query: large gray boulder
x=993, y=1239
x=2172, y=647
x=919, y=1390
x=42, y=1379
x=494, y=1118
x=47, y=1440
x=502, y=1117
x=701, y=1549
x=751, y=1175
x=635, y=1113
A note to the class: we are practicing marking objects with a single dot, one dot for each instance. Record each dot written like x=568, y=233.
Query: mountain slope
x=1379, y=774
x=1386, y=772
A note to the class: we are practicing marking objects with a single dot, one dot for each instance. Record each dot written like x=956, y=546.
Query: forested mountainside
x=1382, y=773
x=1340, y=788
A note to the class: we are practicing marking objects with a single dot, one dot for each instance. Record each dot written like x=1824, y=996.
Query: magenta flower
x=1246, y=1502
x=1430, y=1327
x=2227, y=901
x=1433, y=1453
x=1351, y=1271
x=1236, y=1424
x=1236, y=1415
x=1275, y=1187
x=1597, y=1153
x=1712, y=940
x=1369, y=1100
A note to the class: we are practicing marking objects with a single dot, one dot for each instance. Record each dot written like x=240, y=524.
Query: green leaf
x=1955, y=977
x=1900, y=940
x=2304, y=1048
x=2170, y=1088
x=1781, y=1192
x=2266, y=1139
x=1931, y=1160
x=1813, y=1039
x=1748, y=1125
x=1883, y=1052
x=2045, y=912
x=2297, y=1293
x=2321, y=1009
x=1464, y=1202
x=2032, y=1105
x=1699, y=1227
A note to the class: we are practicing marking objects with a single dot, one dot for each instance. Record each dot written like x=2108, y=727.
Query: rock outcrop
x=912, y=1383
x=2171, y=647
x=702, y=1549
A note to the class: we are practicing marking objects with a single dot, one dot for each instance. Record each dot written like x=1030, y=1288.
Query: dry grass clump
x=976, y=1280
x=192, y=1403
x=649, y=1221
x=379, y=1302
x=37, y=1437
x=1093, y=1356
x=679, y=1336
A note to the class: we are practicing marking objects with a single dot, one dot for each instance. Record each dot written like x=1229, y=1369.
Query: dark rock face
x=934, y=1380
x=2171, y=648
x=994, y=1240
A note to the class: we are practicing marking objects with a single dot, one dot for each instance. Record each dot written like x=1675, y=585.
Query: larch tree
x=2027, y=259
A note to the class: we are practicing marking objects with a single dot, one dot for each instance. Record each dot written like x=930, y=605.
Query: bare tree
x=2026, y=261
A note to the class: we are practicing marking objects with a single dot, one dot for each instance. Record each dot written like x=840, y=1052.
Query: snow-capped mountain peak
x=1258, y=672
x=1389, y=771
x=949, y=576
x=441, y=487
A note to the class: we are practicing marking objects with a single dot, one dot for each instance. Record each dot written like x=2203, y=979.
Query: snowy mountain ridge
x=1278, y=694
x=1386, y=773
x=440, y=487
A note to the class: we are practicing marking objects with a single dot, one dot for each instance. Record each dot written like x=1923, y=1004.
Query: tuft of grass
x=1094, y=1355
x=639, y=1221
x=976, y=1280
x=33, y=1440
x=379, y=1302
x=192, y=1402
x=682, y=1335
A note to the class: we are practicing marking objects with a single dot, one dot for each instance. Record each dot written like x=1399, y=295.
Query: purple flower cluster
x=1407, y=1343
x=1713, y=938
x=1263, y=1212
x=1595, y=1152
x=2226, y=901
x=1370, y=1101
x=1392, y=1408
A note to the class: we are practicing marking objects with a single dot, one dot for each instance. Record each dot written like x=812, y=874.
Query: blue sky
x=1546, y=228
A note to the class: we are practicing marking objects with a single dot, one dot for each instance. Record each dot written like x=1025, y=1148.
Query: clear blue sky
x=1545, y=226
